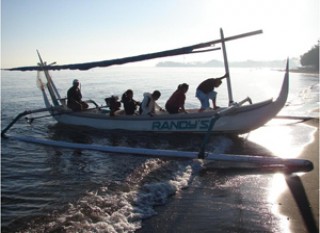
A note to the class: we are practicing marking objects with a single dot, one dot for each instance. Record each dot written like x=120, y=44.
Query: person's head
x=76, y=83
x=217, y=82
x=156, y=95
x=183, y=87
x=129, y=93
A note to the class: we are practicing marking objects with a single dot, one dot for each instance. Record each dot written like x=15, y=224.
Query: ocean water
x=46, y=189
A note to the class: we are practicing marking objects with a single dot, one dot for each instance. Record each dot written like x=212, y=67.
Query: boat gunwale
x=165, y=116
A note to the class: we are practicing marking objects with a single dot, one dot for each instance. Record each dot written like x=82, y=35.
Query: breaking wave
x=121, y=206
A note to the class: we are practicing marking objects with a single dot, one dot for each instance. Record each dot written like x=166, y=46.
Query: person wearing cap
x=205, y=91
x=74, y=97
x=175, y=103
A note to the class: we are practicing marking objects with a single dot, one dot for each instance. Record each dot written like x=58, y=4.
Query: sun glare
x=282, y=140
x=277, y=187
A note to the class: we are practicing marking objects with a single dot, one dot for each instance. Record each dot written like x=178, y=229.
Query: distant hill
x=294, y=62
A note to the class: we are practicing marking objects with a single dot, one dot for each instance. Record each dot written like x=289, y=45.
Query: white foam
x=122, y=211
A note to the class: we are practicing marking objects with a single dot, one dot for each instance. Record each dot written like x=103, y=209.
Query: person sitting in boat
x=113, y=104
x=205, y=91
x=175, y=103
x=129, y=104
x=74, y=97
x=148, y=105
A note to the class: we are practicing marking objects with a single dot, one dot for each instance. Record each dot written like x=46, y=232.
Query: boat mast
x=226, y=67
x=53, y=91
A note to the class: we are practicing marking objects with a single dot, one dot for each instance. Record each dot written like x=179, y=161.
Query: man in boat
x=129, y=104
x=175, y=103
x=205, y=91
x=149, y=105
x=74, y=97
x=113, y=103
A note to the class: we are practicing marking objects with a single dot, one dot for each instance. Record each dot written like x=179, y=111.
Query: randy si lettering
x=187, y=124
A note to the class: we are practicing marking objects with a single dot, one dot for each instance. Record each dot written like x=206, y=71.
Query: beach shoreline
x=241, y=207
x=310, y=181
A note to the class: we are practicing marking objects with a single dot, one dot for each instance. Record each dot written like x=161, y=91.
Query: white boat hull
x=241, y=121
x=238, y=120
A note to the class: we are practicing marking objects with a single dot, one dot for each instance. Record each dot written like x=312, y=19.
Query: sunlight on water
x=285, y=142
x=281, y=140
x=277, y=187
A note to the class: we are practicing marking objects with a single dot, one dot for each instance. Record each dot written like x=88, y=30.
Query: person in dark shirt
x=74, y=97
x=129, y=104
x=175, y=103
x=205, y=91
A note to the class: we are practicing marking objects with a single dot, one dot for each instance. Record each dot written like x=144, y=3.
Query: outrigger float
x=237, y=118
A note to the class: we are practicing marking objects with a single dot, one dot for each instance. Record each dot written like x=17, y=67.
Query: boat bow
x=283, y=95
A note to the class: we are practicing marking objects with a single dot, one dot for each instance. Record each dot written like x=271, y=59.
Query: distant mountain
x=294, y=62
x=212, y=63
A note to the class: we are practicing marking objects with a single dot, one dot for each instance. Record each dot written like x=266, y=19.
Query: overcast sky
x=70, y=31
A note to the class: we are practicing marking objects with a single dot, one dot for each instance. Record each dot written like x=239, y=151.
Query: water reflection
x=277, y=187
x=286, y=142
x=283, y=141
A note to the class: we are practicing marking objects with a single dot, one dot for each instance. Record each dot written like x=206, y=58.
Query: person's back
x=176, y=102
x=149, y=104
x=74, y=97
x=129, y=103
x=207, y=85
x=146, y=107
x=205, y=91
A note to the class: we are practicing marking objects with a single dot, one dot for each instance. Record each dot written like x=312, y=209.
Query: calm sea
x=45, y=189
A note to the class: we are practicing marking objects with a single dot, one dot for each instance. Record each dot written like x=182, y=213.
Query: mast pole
x=53, y=91
x=226, y=66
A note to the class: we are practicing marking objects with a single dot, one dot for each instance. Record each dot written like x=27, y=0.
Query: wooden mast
x=226, y=67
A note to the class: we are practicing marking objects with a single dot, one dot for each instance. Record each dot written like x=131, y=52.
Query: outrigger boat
x=237, y=118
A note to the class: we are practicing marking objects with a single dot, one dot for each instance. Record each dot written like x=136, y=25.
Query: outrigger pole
x=27, y=112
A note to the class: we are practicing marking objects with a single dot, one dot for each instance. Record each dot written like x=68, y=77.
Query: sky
x=75, y=31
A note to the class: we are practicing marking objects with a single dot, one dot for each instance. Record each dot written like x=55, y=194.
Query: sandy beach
x=310, y=181
x=238, y=202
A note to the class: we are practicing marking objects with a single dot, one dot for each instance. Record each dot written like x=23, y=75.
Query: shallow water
x=47, y=189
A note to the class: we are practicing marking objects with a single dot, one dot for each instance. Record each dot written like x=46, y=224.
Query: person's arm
x=183, y=109
x=224, y=76
x=157, y=106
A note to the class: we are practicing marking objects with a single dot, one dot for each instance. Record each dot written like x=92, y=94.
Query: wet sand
x=223, y=201
x=310, y=182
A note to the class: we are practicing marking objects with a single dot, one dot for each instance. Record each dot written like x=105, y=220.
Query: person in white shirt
x=149, y=105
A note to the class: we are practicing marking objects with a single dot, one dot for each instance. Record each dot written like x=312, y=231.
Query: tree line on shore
x=310, y=59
